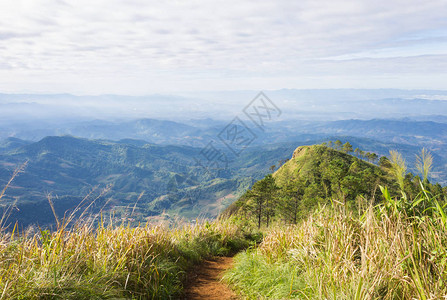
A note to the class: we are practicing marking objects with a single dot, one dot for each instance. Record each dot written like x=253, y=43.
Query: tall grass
x=424, y=163
x=81, y=260
x=398, y=167
x=335, y=254
x=146, y=262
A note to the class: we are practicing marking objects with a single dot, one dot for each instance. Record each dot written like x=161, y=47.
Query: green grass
x=257, y=278
x=335, y=254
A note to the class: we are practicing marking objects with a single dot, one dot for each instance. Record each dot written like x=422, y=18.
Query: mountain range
x=135, y=179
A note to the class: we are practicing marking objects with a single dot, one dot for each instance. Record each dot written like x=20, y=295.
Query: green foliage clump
x=390, y=245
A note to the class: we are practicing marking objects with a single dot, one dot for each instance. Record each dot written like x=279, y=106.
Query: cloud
x=173, y=43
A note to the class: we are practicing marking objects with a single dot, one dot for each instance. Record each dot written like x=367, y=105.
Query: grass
x=88, y=260
x=335, y=254
x=146, y=262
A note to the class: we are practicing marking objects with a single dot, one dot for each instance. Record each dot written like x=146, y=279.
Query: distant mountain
x=12, y=143
x=433, y=118
x=427, y=134
x=149, y=130
x=70, y=168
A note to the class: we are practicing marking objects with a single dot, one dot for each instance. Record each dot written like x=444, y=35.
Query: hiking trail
x=204, y=281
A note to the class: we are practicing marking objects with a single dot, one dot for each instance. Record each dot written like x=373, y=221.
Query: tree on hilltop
x=338, y=145
x=347, y=147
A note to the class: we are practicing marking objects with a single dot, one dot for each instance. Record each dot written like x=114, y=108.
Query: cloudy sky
x=140, y=47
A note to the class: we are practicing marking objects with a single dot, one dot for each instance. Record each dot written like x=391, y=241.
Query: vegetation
x=357, y=246
x=336, y=226
x=80, y=260
x=318, y=175
x=336, y=254
x=315, y=175
x=144, y=262
x=71, y=168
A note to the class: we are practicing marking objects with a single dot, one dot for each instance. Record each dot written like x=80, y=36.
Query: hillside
x=319, y=175
x=338, y=227
x=70, y=168
x=336, y=174
x=321, y=213
x=168, y=176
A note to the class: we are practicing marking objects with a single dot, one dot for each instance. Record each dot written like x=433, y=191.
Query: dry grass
x=116, y=261
x=80, y=260
x=86, y=261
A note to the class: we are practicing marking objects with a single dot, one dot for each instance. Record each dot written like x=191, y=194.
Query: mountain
x=317, y=175
x=12, y=143
x=397, y=131
x=70, y=168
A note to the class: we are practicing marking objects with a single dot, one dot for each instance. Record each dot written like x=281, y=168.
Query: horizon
x=181, y=93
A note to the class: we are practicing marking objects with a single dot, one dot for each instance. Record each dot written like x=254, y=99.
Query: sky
x=137, y=47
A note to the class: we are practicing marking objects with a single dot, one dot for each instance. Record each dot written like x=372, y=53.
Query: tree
x=384, y=162
x=347, y=147
x=372, y=157
x=362, y=154
x=291, y=194
x=337, y=145
x=262, y=194
x=330, y=144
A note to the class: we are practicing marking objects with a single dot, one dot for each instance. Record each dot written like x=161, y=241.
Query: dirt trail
x=204, y=281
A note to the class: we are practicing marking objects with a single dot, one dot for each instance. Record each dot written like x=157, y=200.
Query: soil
x=204, y=281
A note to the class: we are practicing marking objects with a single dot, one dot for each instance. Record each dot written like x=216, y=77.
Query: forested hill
x=142, y=179
x=317, y=175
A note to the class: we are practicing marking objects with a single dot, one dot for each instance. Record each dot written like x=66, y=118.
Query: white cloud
x=150, y=46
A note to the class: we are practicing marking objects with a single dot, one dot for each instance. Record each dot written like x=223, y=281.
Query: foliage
x=71, y=168
x=388, y=248
x=315, y=176
x=338, y=254
x=261, y=199
x=347, y=147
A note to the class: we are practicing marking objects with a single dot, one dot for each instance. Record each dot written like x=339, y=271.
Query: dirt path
x=204, y=281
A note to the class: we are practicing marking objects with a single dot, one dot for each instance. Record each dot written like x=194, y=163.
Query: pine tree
x=337, y=145
x=291, y=194
x=347, y=147
x=263, y=194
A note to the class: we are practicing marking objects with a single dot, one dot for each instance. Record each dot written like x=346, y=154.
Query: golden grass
x=80, y=260
x=108, y=262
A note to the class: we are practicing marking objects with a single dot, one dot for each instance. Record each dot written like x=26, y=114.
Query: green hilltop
x=319, y=175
